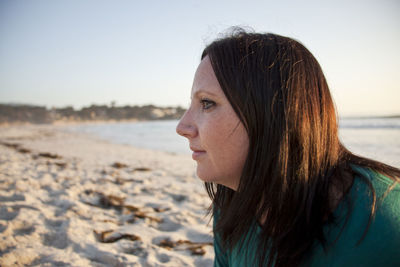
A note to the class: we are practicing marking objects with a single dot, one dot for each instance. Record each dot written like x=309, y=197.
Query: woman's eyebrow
x=203, y=91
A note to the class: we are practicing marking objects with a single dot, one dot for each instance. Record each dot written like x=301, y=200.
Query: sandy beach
x=69, y=199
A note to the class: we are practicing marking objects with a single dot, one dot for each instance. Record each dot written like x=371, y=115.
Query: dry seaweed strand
x=110, y=236
x=197, y=248
x=118, y=203
x=119, y=165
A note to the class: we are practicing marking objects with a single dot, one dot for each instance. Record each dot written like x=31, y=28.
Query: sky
x=82, y=52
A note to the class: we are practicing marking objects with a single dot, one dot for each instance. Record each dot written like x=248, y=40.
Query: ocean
x=376, y=138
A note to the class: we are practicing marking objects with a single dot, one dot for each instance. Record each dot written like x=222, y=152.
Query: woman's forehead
x=205, y=80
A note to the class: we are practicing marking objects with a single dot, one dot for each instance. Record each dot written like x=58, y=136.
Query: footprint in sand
x=3, y=227
x=55, y=239
x=62, y=205
x=54, y=223
x=23, y=228
x=14, y=197
x=8, y=213
x=137, y=248
x=163, y=258
x=24, y=231
x=168, y=225
x=178, y=198
x=58, y=237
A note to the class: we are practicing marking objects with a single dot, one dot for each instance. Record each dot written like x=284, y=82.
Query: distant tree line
x=10, y=113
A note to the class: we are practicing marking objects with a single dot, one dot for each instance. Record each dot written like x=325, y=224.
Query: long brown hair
x=279, y=92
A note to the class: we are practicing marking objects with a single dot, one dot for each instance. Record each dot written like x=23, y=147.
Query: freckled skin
x=214, y=131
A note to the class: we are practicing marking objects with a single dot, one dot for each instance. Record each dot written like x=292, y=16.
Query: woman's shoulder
x=361, y=239
x=379, y=180
x=387, y=196
x=368, y=183
x=372, y=232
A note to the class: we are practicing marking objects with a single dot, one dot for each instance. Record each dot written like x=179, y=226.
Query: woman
x=285, y=191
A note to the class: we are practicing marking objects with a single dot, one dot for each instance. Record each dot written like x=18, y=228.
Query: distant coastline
x=12, y=114
x=372, y=117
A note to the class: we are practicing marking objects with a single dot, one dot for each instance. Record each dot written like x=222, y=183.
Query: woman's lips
x=197, y=153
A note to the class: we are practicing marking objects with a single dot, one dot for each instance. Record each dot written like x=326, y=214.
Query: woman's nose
x=186, y=127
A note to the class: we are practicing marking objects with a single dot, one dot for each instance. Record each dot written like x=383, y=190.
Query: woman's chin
x=211, y=179
x=204, y=178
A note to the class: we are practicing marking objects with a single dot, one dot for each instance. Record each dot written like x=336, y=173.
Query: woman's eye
x=207, y=104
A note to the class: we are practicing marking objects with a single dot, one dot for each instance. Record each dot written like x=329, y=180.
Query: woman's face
x=216, y=136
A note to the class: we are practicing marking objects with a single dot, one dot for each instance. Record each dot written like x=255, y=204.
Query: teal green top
x=380, y=247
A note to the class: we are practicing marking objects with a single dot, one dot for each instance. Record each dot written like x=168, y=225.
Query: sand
x=69, y=199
